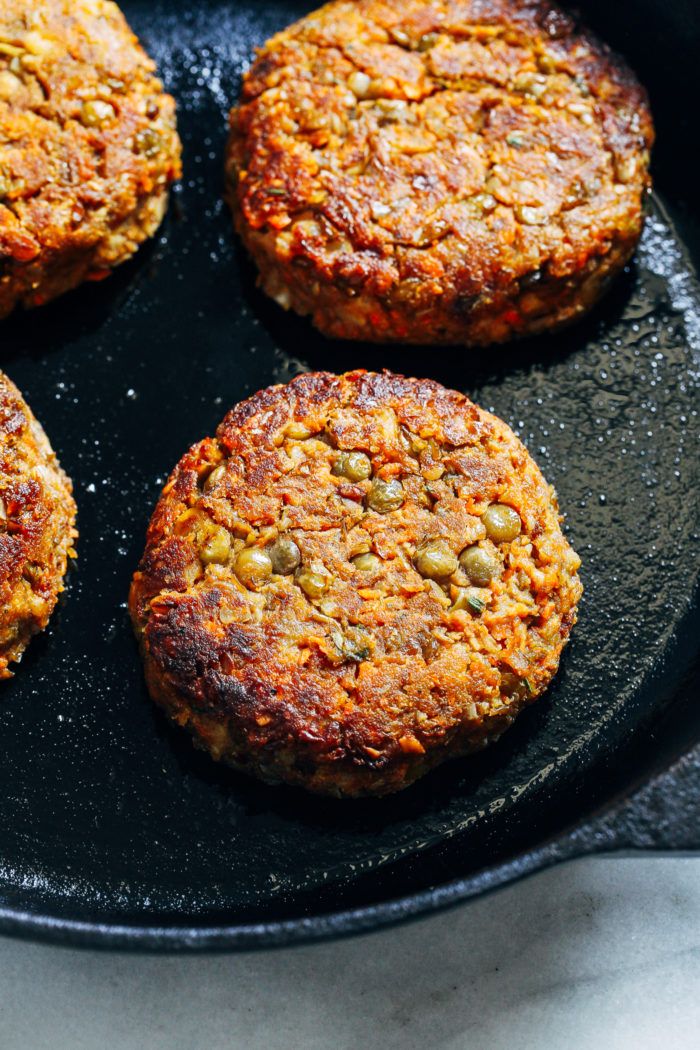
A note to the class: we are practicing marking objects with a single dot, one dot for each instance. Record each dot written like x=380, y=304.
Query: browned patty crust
x=358, y=578
x=88, y=146
x=37, y=517
x=434, y=171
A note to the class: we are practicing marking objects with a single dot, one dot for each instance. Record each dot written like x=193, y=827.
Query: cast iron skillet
x=113, y=831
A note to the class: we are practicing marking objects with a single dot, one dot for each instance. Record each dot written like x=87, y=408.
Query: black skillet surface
x=113, y=830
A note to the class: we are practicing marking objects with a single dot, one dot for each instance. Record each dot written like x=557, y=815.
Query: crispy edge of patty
x=482, y=296
x=57, y=232
x=37, y=528
x=175, y=642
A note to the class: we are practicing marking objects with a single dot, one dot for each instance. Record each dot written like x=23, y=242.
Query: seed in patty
x=285, y=556
x=253, y=567
x=353, y=465
x=479, y=565
x=435, y=560
x=385, y=496
x=502, y=523
x=213, y=479
x=313, y=583
x=359, y=84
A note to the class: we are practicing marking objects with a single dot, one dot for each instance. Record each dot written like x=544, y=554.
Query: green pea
x=367, y=562
x=312, y=583
x=502, y=523
x=253, y=567
x=435, y=560
x=385, y=496
x=285, y=556
x=479, y=565
x=216, y=547
x=353, y=465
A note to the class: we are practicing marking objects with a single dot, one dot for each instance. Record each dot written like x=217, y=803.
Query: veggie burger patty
x=37, y=515
x=435, y=171
x=88, y=146
x=357, y=578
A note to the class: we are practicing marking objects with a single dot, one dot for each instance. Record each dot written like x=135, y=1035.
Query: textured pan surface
x=106, y=815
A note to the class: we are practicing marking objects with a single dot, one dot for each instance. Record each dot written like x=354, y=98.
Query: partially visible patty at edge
x=358, y=578
x=430, y=171
x=37, y=517
x=88, y=146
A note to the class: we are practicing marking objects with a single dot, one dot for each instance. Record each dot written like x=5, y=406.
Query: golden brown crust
x=436, y=171
x=37, y=517
x=362, y=685
x=88, y=146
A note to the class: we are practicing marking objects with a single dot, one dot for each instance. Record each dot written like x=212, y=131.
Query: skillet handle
x=664, y=814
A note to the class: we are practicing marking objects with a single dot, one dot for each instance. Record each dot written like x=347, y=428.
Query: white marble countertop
x=597, y=953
